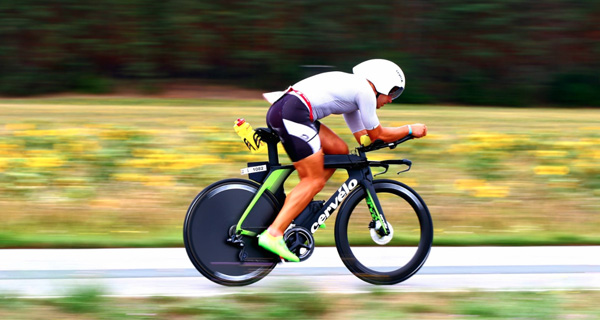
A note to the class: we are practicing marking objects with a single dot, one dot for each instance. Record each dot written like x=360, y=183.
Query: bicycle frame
x=359, y=173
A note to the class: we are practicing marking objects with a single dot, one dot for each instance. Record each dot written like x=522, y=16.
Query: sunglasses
x=394, y=93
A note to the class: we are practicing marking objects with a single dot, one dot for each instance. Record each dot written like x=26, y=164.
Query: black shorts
x=290, y=118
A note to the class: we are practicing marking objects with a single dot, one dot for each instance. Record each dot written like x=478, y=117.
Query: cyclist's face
x=382, y=100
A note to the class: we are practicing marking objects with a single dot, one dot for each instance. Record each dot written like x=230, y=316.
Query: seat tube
x=274, y=181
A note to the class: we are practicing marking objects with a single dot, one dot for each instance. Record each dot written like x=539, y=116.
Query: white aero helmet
x=385, y=75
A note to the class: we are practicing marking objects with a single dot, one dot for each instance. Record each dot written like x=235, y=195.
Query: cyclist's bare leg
x=313, y=177
x=331, y=144
x=312, y=180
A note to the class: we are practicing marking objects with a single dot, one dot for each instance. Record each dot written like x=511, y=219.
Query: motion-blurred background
x=108, y=148
x=512, y=53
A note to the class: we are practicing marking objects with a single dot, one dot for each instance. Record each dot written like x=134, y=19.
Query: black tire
x=207, y=225
x=407, y=250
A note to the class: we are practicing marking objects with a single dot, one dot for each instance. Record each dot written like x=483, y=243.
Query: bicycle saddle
x=267, y=135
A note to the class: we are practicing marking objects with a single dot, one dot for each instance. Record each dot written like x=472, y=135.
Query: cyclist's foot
x=277, y=246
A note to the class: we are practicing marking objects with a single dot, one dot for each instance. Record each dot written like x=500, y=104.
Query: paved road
x=168, y=272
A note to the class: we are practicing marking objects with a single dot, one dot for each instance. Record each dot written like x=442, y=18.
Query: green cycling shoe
x=277, y=246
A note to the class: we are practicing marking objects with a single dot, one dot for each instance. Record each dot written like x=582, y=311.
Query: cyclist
x=294, y=115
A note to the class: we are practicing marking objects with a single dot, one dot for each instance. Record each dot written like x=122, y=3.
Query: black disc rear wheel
x=207, y=227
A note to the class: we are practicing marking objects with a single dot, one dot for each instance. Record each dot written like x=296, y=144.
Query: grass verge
x=300, y=303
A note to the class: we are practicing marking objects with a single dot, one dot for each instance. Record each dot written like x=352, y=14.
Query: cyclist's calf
x=315, y=184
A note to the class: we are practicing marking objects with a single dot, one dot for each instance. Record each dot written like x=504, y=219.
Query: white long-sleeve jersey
x=338, y=93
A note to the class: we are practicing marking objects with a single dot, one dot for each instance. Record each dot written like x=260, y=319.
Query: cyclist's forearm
x=388, y=134
x=391, y=134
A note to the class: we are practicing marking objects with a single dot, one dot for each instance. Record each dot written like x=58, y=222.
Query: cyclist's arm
x=367, y=116
x=391, y=134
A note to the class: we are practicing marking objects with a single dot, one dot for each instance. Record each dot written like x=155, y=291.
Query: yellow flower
x=9, y=150
x=590, y=128
x=481, y=188
x=19, y=126
x=141, y=163
x=159, y=181
x=468, y=184
x=194, y=161
x=146, y=152
x=551, y=170
x=132, y=177
x=550, y=153
x=3, y=164
x=44, y=162
x=204, y=129
x=173, y=161
x=579, y=145
x=34, y=133
x=148, y=180
x=489, y=191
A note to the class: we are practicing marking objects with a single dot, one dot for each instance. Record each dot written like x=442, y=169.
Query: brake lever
x=406, y=162
x=385, y=166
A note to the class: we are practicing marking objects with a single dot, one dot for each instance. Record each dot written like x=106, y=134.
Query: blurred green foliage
x=506, y=52
x=81, y=300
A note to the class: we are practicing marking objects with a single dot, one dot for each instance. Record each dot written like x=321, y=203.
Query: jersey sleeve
x=367, y=107
x=354, y=121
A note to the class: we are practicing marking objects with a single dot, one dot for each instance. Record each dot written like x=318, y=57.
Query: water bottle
x=250, y=138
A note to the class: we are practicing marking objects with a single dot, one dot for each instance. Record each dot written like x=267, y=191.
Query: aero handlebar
x=379, y=144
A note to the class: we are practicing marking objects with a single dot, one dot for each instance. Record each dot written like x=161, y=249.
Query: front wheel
x=384, y=259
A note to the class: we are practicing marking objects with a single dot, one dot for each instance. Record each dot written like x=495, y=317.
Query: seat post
x=271, y=138
x=273, y=155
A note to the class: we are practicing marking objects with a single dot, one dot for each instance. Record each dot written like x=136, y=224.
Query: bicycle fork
x=378, y=223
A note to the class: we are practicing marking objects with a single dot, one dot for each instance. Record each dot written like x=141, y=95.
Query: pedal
x=243, y=255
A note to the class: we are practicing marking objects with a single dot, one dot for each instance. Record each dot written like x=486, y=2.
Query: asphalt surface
x=168, y=272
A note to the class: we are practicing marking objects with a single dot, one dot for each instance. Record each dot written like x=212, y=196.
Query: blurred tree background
x=511, y=53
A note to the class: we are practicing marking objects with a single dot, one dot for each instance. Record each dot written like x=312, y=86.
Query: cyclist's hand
x=419, y=130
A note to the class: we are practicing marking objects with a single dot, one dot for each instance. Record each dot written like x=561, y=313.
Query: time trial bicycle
x=383, y=230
